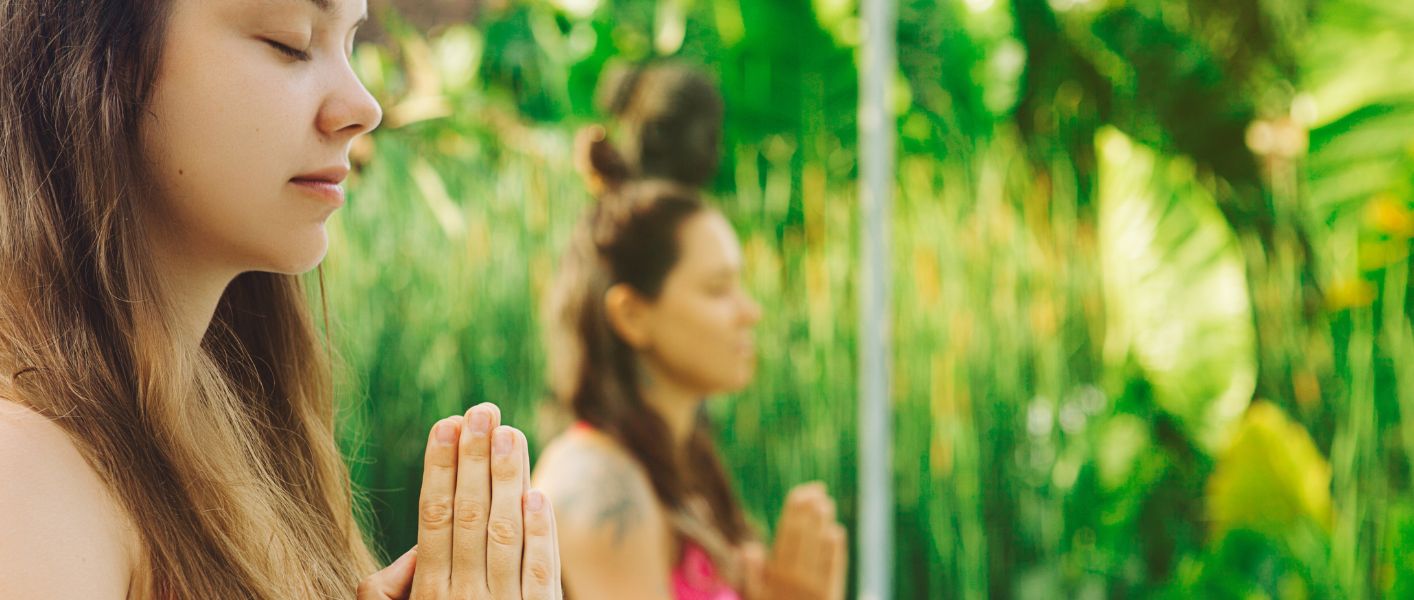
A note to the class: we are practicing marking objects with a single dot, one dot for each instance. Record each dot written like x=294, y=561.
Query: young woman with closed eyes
x=166, y=413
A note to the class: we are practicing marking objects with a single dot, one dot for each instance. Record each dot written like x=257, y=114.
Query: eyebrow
x=326, y=7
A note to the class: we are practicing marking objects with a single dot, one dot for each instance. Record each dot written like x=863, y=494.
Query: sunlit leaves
x=1175, y=288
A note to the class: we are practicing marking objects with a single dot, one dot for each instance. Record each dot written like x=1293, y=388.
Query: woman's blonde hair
x=224, y=456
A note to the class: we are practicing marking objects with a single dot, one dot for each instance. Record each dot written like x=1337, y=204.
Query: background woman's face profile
x=247, y=132
x=704, y=320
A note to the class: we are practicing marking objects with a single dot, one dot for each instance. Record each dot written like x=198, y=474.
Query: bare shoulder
x=596, y=486
x=615, y=540
x=64, y=534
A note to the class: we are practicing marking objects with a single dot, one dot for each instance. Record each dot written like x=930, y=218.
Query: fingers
x=472, y=506
x=808, y=559
x=794, y=527
x=540, y=567
x=819, y=514
x=471, y=520
x=395, y=581
x=559, y=589
x=435, y=510
x=835, y=565
x=525, y=468
x=753, y=561
x=504, y=535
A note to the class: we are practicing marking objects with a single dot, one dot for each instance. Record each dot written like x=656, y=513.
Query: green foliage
x=1118, y=224
x=1175, y=282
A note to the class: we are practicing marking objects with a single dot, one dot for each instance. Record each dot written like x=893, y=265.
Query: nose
x=349, y=110
x=751, y=312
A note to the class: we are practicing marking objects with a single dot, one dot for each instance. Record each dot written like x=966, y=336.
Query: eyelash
x=299, y=55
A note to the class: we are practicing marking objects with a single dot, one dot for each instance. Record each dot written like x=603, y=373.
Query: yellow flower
x=1350, y=293
x=1270, y=477
x=1386, y=213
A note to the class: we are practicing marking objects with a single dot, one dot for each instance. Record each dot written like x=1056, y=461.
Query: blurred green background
x=1152, y=335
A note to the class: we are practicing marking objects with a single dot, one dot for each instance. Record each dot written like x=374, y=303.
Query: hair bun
x=616, y=88
x=599, y=162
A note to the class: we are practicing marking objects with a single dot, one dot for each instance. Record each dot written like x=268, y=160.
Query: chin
x=739, y=383
x=298, y=258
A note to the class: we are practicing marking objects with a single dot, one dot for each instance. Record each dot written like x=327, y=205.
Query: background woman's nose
x=753, y=309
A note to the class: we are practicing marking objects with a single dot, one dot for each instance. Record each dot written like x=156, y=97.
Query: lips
x=332, y=175
x=323, y=184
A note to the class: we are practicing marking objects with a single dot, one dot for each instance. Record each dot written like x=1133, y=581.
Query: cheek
x=218, y=142
x=702, y=343
x=219, y=115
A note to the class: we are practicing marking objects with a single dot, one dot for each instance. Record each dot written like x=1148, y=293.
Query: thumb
x=393, y=582
x=753, y=562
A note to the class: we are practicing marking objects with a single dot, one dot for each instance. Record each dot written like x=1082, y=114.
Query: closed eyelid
x=291, y=35
x=298, y=41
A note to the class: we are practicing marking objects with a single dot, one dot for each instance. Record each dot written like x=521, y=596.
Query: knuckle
x=539, y=572
x=435, y=513
x=504, y=531
x=440, y=457
x=505, y=469
x=478, y=449
x=470, y=513
x=538, y=526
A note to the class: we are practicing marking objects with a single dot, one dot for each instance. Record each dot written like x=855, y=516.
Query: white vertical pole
x=876, y=178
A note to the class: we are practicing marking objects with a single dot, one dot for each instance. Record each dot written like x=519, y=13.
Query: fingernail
x=501, y=442
x=534, y=501
x=480, y=420
x=446, y=432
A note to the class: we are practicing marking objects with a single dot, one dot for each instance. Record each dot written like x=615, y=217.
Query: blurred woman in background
x=648, y=318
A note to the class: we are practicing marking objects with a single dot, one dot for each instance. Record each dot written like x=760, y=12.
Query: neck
x=677, y=404
x=191, y=289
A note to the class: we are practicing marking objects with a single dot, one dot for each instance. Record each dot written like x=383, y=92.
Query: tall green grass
x=1113, y=378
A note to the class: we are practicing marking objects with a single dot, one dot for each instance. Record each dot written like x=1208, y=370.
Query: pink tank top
x=694, y=577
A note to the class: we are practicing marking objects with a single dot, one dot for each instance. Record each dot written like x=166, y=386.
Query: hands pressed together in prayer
x=809, y=559
x=482, y=532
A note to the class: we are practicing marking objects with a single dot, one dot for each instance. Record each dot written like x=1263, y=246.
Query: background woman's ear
x=601, y=166
x=628, y=315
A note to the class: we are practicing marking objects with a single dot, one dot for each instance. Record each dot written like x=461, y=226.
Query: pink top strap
x=696, y=578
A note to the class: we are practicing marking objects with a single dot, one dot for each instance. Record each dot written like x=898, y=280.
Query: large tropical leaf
x=1175, y=288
